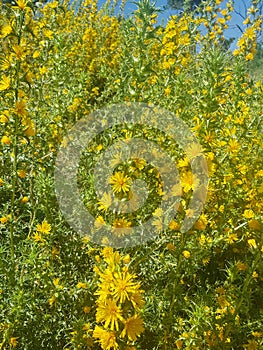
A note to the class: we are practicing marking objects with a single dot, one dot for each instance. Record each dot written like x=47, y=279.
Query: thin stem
x=175, y=284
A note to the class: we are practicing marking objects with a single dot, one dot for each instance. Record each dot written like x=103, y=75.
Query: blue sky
x=233, y=31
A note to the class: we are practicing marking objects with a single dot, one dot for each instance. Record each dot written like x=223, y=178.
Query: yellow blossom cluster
x=119, y=301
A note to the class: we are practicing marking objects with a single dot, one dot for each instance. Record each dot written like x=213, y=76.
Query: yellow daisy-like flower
x=99, y=222
x=45, y=227
x=105, y=202
x=37, y=237
x=5, y=83
x=188, y=181
x=252, y=243
x=193, y=150
x=137, y=299
x=6, y=140
x=21, y=4
x=248, y=214
x=110, y=256
x=109, y=314
x=121, y=227
x=201, y=223
x=20, y=109
x=106, y=339
x=120, y=182
x=133, y=328
x=6, y=30
x=174, y=225
x=123, y=286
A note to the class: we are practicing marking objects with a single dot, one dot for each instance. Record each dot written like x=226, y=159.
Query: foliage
x=180, y=4
x=195, y=290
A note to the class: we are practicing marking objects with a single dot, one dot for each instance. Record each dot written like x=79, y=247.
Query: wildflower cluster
x=119, y=302
x=60, y=61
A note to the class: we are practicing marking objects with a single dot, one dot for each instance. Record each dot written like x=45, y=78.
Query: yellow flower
x=133, y=327
x=38, y=237
x=24, y=199
x=233, y=146
x=222, y=301
x=170, y=246
x=36, y=54
x=48, y=33
x=257, y=334
x=56, y=281
x=123, y=286
x=106, y=339
x=1, y=182
x=30, y=131
x=105, y=202
x=20, y=51
x=251, y=345
x=186, y=254
x=6, y=30
x=208, y=9
x=201, y=223
x=13, y=342
x=179, y=343
x=121, y=227
x=52, y=300
x=21, y=4
x=99, y=222
x=248, y=214
x=20, y=109
x=158, y=224
x=86, y=309
x=167, y=91
x=187, y=181
x=45, y=227
x=5, y=83
x=137, y=300
x=3, y=118
x=21, y=173
x=241, y=266
x=109, y=313
x=126, y=259
x=254, y=224
x=81, y=285
x=120, y=182
x=231, y=238
x=174, y=226
x=111, y=257
x=6, y=140
x=4, y=220
x=252, y=243
x=249, y=56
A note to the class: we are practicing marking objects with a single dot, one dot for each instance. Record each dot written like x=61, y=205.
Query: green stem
x=175, y=284
x=247, y=281
x=13, y=199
